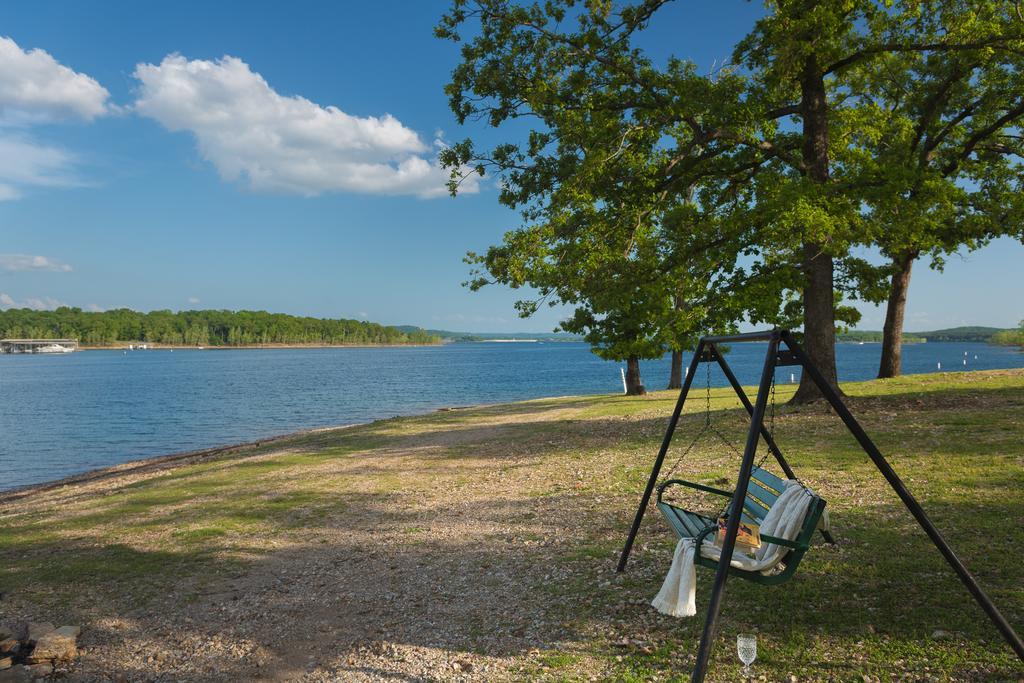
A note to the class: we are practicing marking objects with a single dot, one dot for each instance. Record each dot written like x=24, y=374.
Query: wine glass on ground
x=746, y=648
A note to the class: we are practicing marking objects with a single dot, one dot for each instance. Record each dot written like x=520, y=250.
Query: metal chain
x=707, y=420
x=683, y=455
x=707, y=424
x=771, y=425
x=771, y=433
x=707, y=394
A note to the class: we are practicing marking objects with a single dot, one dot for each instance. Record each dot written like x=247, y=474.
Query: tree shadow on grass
x=283, y=584
x=374, y=585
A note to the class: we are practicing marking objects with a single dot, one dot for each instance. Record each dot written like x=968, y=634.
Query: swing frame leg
x=665, y=443
x=1011, y=637
x=732, y=527
x=772, y=446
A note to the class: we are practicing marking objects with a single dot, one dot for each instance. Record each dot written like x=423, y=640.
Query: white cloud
x=286, y=144
x=43, y=304
x=26, y=163
x=19, y=262
x=193, y=300
x=35, y=87
x=95, y=308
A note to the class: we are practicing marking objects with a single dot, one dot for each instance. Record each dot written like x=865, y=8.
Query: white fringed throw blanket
x=784, y=520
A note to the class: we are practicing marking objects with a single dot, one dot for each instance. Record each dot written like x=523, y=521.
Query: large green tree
x=609, y=222
x=613, y=261
x=591, y=179
x=939, y=151
x=811, y=56
x=563, y=66
x=769, y=147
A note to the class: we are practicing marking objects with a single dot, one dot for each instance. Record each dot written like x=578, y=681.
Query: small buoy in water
x=792, y=378
x=965, y=361
x=940, y=365
x=975, y=356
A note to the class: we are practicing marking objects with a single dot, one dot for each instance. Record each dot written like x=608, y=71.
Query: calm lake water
x=65, y=414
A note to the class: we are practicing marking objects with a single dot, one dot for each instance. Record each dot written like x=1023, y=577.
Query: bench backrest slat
x=769, y=479
x=762, y=492
x=753, y=508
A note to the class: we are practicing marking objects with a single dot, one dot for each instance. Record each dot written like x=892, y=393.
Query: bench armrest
x=783, y=542
x=707, y=531
x=692, y=485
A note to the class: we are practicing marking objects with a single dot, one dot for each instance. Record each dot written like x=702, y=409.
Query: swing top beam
x=764, y=335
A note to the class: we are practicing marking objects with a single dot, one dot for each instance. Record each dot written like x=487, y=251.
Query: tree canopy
x=788, y=161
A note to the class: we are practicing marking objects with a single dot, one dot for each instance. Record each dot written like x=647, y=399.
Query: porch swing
x=757, y=489
x=762, y=492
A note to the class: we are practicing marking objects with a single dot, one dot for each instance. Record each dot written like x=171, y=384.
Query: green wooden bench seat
x=762, y=492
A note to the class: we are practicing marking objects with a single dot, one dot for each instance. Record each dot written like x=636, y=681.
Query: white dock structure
x=38, y=345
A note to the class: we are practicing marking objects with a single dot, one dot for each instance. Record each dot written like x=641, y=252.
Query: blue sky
x=181, y=171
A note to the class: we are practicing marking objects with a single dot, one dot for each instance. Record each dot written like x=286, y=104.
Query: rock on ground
x=57, y=645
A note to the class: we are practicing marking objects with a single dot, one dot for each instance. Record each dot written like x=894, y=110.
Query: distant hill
x=539, y=336
x=449, y=335
x=874, y=336
x=444, y=335
x=972, y=333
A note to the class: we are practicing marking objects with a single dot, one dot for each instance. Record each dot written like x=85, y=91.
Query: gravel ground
x=480, y=544
x=440, y=574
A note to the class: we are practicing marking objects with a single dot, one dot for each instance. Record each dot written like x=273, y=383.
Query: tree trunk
x=634, y=387
x=819, y=323
x=675, y=377
x=816, y=262
x=892, y=332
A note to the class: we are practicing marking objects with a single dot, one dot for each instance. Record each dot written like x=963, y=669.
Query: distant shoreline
x=124, y=346
x=161, y=462
x=171, y=459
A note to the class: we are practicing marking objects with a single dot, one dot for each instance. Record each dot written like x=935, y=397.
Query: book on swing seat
x=748, y=535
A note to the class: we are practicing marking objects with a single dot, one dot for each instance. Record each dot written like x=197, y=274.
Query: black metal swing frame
x=777, y=356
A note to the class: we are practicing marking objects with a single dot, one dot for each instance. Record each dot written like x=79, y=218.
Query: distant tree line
x=198, y=328
x=1010, y=337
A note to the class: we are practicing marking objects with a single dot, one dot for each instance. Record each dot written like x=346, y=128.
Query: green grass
x=558, y=481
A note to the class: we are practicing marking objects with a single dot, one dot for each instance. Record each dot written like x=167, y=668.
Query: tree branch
x=935, y=102
x=917, y=47
x=980, y=136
